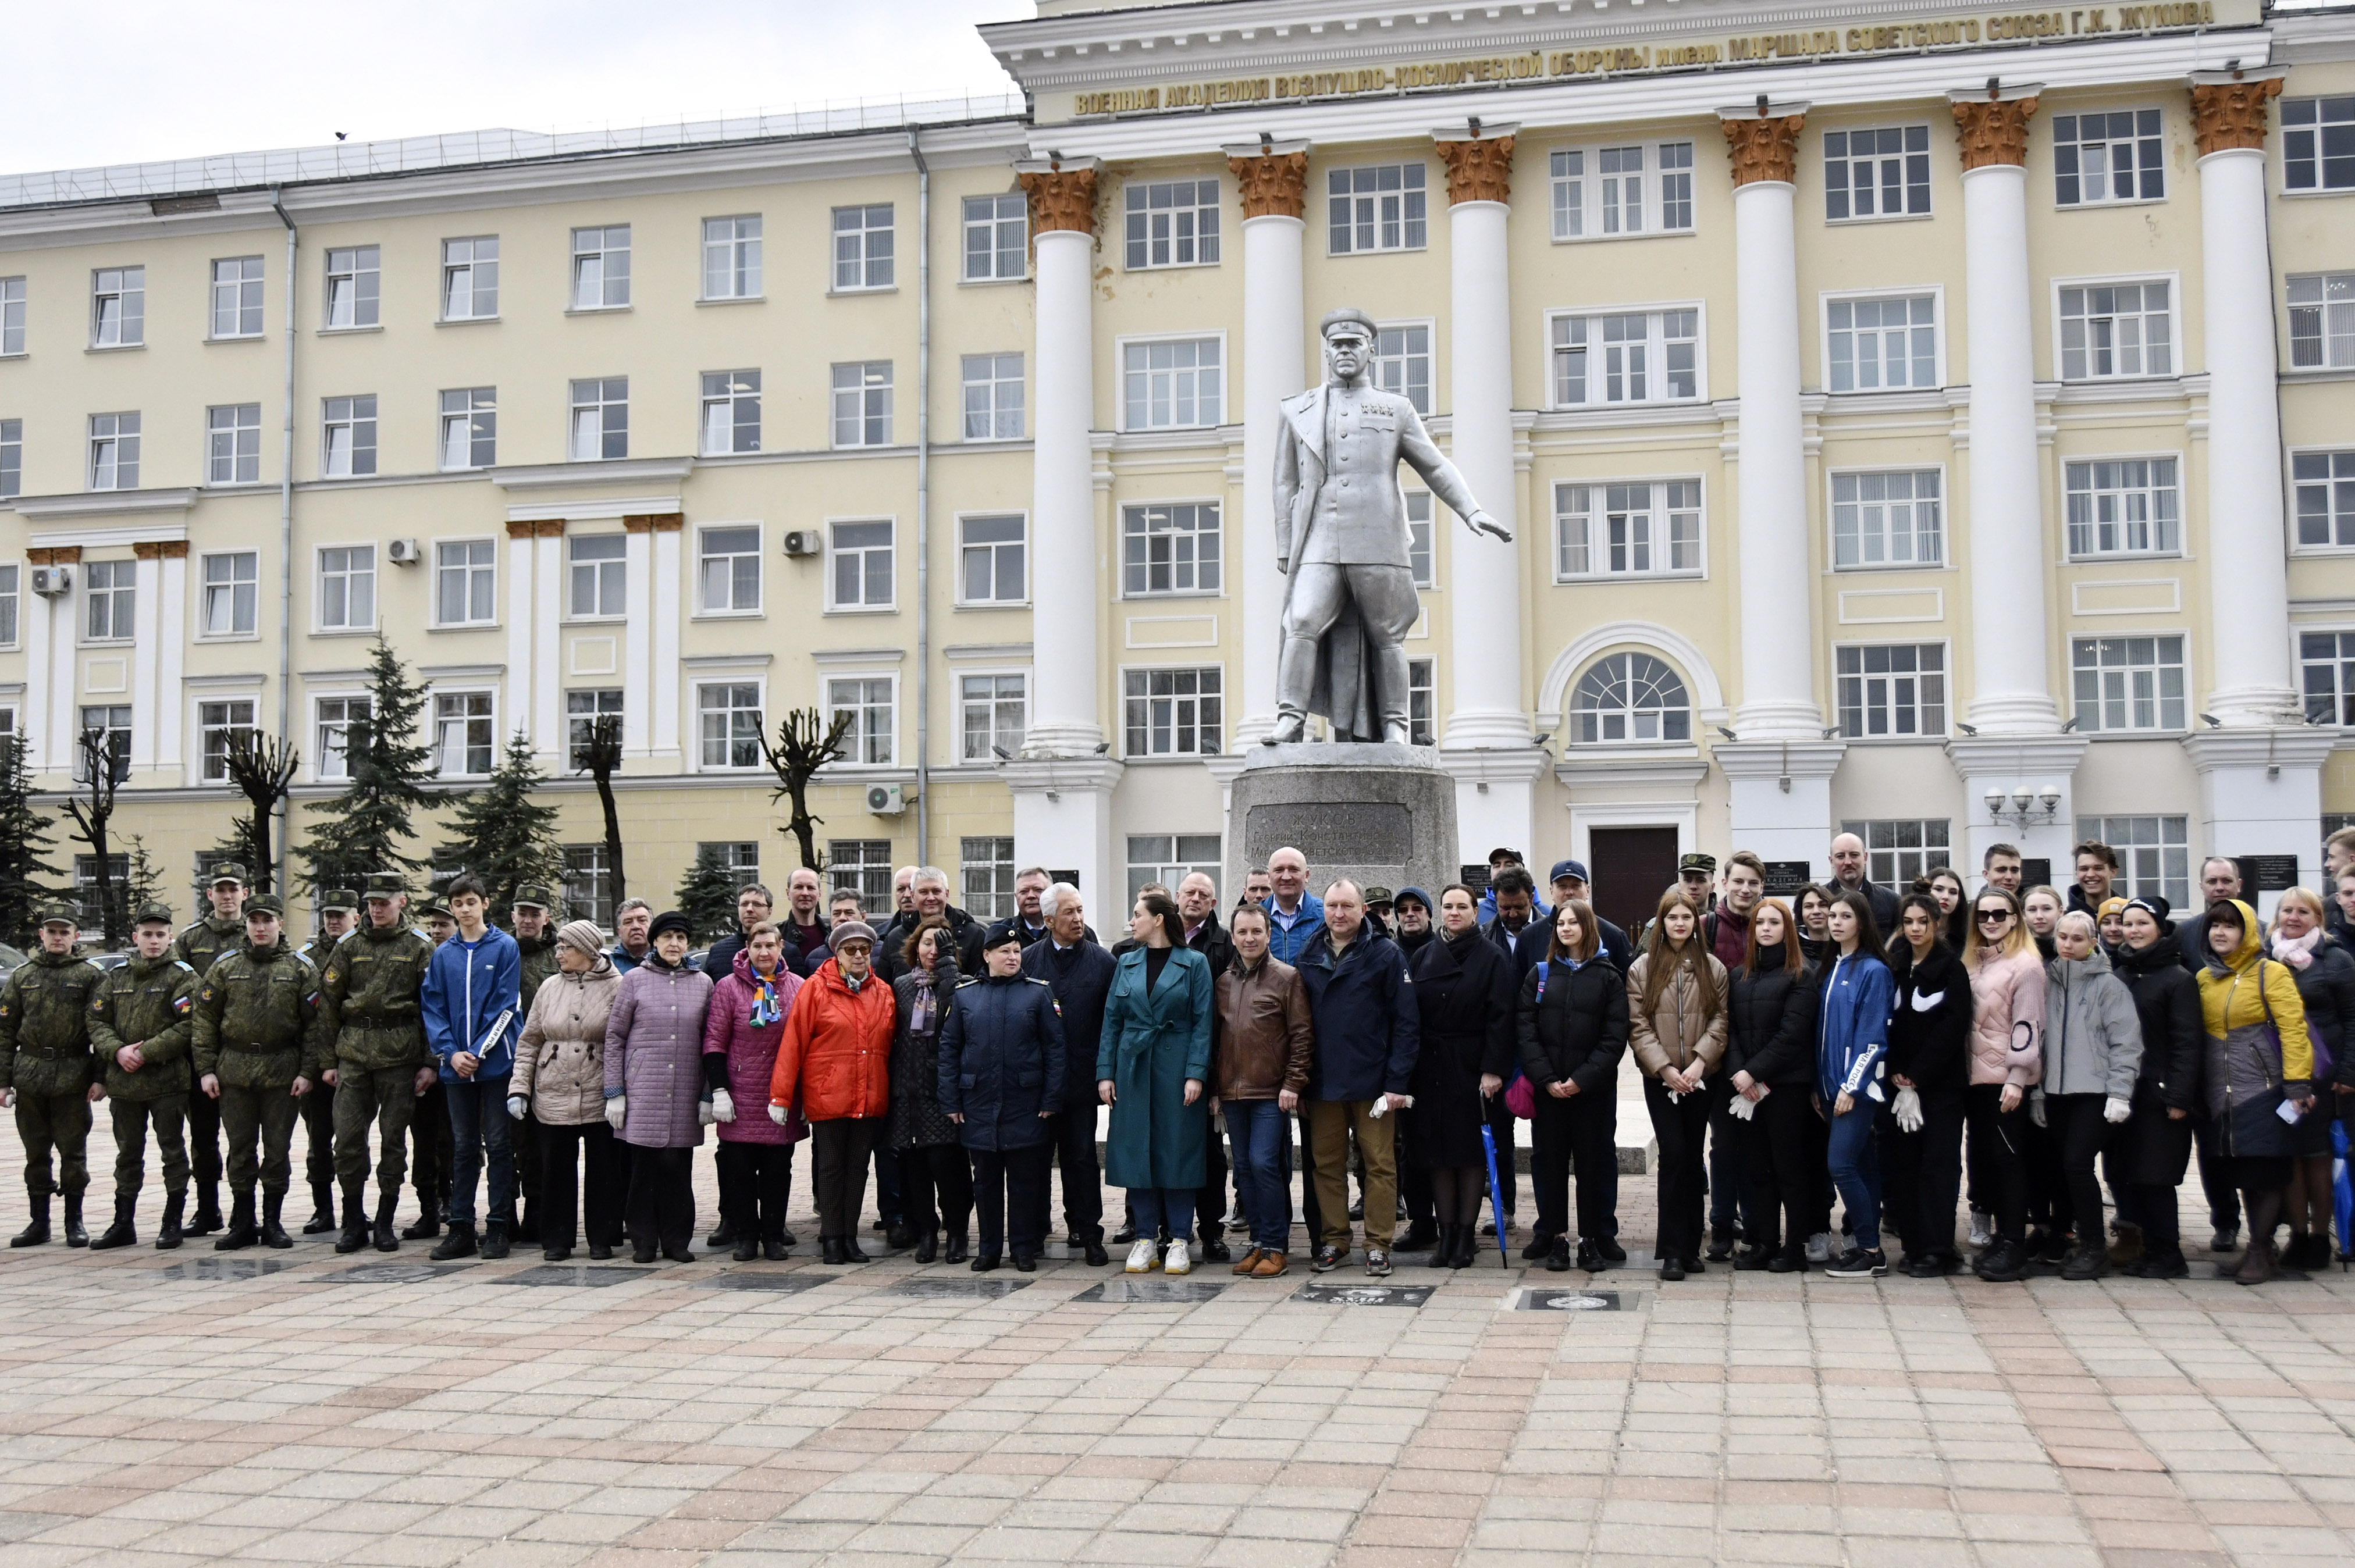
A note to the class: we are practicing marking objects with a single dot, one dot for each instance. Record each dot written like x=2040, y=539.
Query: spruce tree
x=505, y=836
x=368, y=826
x=24, y=875
x=707, y=894
x=145, y=882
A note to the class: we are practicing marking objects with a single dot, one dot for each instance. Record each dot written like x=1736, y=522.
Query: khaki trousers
x=1332, y=1124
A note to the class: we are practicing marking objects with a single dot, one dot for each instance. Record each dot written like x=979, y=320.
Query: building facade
x=1929, y=420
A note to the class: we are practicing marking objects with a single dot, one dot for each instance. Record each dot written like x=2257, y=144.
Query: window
x=2327, y=662
x=994, y=710
x=1891, y=689
x=2108, y=158
x=1628, y=530
x=1173, y=713
x=233, y=444
x=337, y=716
x=470, y=427
x=731, y=257
x=731, y=412
x=465, y=577
x=2114, y=330
x=91, y=908
x=600, y=268
x=1421, y=545
x=2153, y=854
x=9, y=579
x=582, y=711
x=989, y=560
x=2123, y=506
x=111, y=721
x=862, y=247
x=1402, y=364
x=993, y=397
x=1630, y=697
x=346, y=587
x=728, y=570
x=600, y=573
x=237, y=297
x=12, y=315
x=470, y=278
x=1421, y=701
x=987, y=871
x=349, y=449
x=1886, y=519
x=352, y=276
x=12, y=458
x=1641, y=357
x=1883, y=344
x=1599, y=192
x=1897, y=851
x=600, y=418
x=461, y=733
x=996, y=236
x=216, y=723
x=1378, y=208
x=862, y=565
x=2324, y=487
x=862, y=404
x=115, y=451
x=2322, y=321
x=110, y=588
x=589, y=884
x=1173, y=383
x=1170, y=858
x=2127, y=682
x=118, y=307
x=873, y=737
x=1170, y=549
x=2317, y=144
x=1173, y=223
x=730, y=717
x=1877, y=174
x=862, y=866
x=232, y=589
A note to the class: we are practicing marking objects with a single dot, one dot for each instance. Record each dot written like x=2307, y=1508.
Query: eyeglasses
x=1994, y=917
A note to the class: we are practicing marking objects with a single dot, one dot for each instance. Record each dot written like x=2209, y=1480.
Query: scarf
x=765, y=999
x=924, y=1007
x=2298, y=952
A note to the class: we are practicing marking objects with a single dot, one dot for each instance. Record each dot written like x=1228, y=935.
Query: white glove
x=1908, y=1109
x=723, y=1106
x=703, y=1113
x=2116, y=1110
x=777, y=1114
x=2036, y=1107
x=8, y=1098
x=1742, y=1108
x=615, y=1109
x=517, y=1106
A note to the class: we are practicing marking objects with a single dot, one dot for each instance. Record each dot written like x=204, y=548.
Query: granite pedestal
x=1381, y=815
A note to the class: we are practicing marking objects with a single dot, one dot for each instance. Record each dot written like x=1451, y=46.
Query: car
x=10, y=958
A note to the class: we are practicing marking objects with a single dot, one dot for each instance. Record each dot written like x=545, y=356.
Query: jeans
x=1257, y=1129
x=479, y=1121
x=1157, y=1206
x=1856, y=1169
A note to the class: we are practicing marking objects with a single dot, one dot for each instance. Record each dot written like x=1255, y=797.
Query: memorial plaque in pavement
x=1364, y=1295
x=968, y=1288
x=1153, y=1292
x=389, y=1272
x=1571, y=1301
x=575, y=1274
x=224, y=1268
x=776, y=1284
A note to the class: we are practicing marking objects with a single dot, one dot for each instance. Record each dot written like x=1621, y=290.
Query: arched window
x=1630, y=696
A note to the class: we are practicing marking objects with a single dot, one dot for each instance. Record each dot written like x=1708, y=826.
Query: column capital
x=1271, y=176
x=1991, y=124
x=1479, y=162
x=548, y=528
x=1063, y=192
x=2227, y=109
x=520, y=530
x=1764, y=143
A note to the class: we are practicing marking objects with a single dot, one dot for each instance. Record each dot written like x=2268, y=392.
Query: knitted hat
x=581, y=936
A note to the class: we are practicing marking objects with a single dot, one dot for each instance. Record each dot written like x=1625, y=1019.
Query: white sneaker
x=1982, y=1228
x=1819, y=1247
x=1140, y=1256
x=1176, y=1260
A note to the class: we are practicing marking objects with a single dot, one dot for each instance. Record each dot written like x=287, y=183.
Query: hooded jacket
x=1571, y=1023
x=2157, y=1147
x=1930, y=1018
x=2247, y=1002
x=561, y=1063
x=1367, y=1027
x=2093, y=1036
x=1771, y=1024
x=2006, y=1016
x=836, y=1057
x=1852, y=1033
x=467, y=987
x=740, y=1054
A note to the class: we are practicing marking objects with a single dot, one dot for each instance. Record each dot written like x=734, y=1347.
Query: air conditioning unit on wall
x=403, y=553
x=51, y=581
x=803, y=542
x=886, y=800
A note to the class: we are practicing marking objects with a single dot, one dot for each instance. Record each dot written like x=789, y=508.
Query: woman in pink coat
x=740, y=1032
x=2007, y=1054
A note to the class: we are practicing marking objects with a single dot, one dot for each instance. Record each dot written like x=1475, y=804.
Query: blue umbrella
x=1496, y=1192
x=2342, y=1190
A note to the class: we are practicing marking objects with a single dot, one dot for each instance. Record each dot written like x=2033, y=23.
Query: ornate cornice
x=2226, y=115
x=654, y=523
x=1273, y=185
x=1993, y=133
x=54, y=554
x=1764, y=148
x=1478, y=170
x=1062, y=200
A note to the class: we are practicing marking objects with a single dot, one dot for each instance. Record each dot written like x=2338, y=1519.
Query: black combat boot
x=118, y=1234
x=495, y=1240
x=167, y=1238
x=429, y=1220
x=459, y=1243
x=386, y=1204
x=76, y=1233
x=323, y=1209
x=37, y=1232
x=273, y=1233
x=355, y=1226
x=207, y=1217
x=240, y=1232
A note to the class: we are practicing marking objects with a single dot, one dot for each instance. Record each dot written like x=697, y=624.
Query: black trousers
x=2224, y=1198
x=1680, y=1125
x=1210, y=1197
x=662, y=1197
x=2040, y=1153
x=754, y=1180
x=1009, y=1189
x=2154, y=1209
x=1302, y=1153
x=1922, y=1174
x=1071, y=1132
x=204, y=1142
x=2075, y=1125
x=1414, y=1174
x=431, y=1145
x=841, y=1146
x=1782, y=1156
x=319, y=1137
x=1729, y=1194
x=592, y=1152
x=1998, y=1153
x=1579, y=1132
x=889, y=1200
x=936, y=1189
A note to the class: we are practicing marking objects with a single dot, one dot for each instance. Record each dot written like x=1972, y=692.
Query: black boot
x=37, y=1232
x=118, y=1234
x=168, y=1238
x=429, y=1220
x=273, y=1233
x=1443, y=1246
x=830, y=1250
x=495, y=1240
x=459, y=1243
x=76, y=1234
x=207, y=1217
x=955, y=1251
x=323, y=1209
x=355, y=1226
x=385, y=1237
x=240, y=1232
x=1467, y=1245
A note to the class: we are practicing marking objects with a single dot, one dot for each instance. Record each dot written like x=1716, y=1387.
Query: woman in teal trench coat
x=1151, y=1066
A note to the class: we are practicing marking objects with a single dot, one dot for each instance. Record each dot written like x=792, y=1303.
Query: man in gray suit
x=1341, y=536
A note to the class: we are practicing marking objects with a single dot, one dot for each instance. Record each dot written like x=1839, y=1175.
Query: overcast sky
x=131, y=80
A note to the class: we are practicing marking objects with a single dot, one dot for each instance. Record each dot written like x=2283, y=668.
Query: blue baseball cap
x=1562, y=868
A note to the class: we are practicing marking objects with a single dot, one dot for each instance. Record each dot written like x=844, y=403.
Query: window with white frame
x=729, y=715
x=11, y=577
x=89, y=908
x=232, y=594
x=600, y=268
x=1637, y=357
x=731, y=257
x=466, y=586
x=1608, y=192
x=862, y=404
x=463, y=733
x=217, y=725
x=2153, y=854
x=470, y=427
x=233, y=444
x=994, y=714
x=1173, y=383
x=2318, y=143
x=118, y=307
x=346, y=587
x=872, y=704
x=1172, y=223
x=115, y=451
x=2123, y=506
x=237, y=297
x=1421, y=544
x=1629, y=697
x=861, y=565
x=1647, y=528
x=731, y=412
x=600, y=418
x=600, y=573
x=589, y=884
x=1170, y=858
x=996, y=236
x=728, y=569
x=1379, y=208
x=989, y=560
x=1402, y=363
x=12, y=458
x=335, y=716
x=1883, y=344
x=2325, y=662
x=986, y=876
x=2322, y=484
x=470, y=278
x=1891, y=689
x=1170, y=548
x=1897, y=850
x=862, y=866
x=1887, y=519
x=862, y=247
x=1421, y=701
x=1881, y=173
x=2116, y=330
x=347, y=449
x=2322, y=319
x=583, y=710
x=993, y=397
x=12, y=315
x=111, y=722
x=2113, y=157
x=2127, y=682
x=110, y=589
x=1173, y=713
x=353, y=274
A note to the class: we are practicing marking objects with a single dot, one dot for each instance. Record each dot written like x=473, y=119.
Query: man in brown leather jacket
x=1259, y=1072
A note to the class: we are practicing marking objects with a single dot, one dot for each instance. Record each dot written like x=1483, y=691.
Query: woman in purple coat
x=653, y=1088
x=739, y=1056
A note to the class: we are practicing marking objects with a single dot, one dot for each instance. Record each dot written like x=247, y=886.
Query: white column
x=638, y=638
x=64, y=674
x=39, y=610
x=547, y=725
x=669, y=534
x=172, y=639
x=147, y=582
x=515, y=712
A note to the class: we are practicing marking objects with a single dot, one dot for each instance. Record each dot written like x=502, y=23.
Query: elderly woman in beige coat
x=1677, y=1023
x=559, y=1078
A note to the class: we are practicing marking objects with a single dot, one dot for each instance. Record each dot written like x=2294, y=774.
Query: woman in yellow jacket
x=2258, y=1060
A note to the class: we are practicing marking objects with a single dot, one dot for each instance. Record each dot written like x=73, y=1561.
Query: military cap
x=386, y=884
x=1379, y=896
x=339, y=899
x=265, y=903
x=153, y=912
x=57, y=912
x=532, y=895
x=433, y=906
x=998, y=934
x=1347, y=315
x=1706, y=864
x=228, y=871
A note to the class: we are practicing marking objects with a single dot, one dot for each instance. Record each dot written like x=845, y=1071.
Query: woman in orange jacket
x=835, y=1060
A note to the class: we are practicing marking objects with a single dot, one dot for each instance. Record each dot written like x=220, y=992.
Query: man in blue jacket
x=1078, y=974
x=1366, y=1036
x=1295, y=916
x=472, y=1005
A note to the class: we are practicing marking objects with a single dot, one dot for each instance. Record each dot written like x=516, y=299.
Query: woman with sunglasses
x=2007, y=1059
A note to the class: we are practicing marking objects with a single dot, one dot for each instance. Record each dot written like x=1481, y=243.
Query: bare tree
x=600, y=756
x=806, y=742
x=261, y=769
x=103, y=764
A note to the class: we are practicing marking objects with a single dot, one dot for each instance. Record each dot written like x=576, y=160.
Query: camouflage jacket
x=256, y=1013
x=202, y=945
x=45, y=1025
x=150, y=1003
x=539, y=963
x=369, y=1016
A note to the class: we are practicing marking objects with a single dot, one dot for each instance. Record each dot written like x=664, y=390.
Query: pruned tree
x=505, y=835
x=707, y=894
x=806, y=742
x=368, y=826
x=103, y=765
x=600, y=756
x=263, y=768
x=26, y=878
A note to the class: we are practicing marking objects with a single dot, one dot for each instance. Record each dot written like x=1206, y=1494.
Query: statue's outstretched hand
x=1284, y=564
x=1482, y=524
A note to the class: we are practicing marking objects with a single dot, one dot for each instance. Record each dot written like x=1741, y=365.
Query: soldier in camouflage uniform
x=139, y=1021
x=339, y=910
x=371, y=1047
x=44, y=1070
x=200, y=947
x=256, y=1013
x=535, y=935
x=431, y=1146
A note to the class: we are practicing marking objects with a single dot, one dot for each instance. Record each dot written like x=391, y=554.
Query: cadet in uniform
x=256, y=1014
x=430, y=1142
x=535, y=937
x=339, y=910
x=44, y=1070
x=139, y=1027
x=372, y=1050
x=200, y=947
